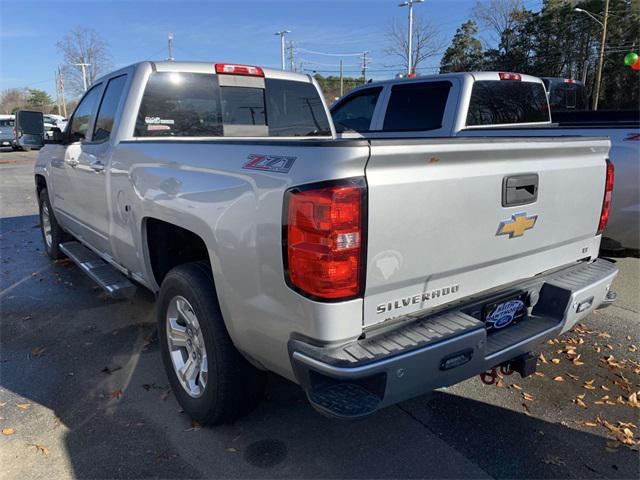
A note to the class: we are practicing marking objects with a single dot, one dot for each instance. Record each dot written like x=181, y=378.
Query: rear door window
x=355, y=112
x=416, y=106
x=503, y=102
x=196, y=105
x=108, y=107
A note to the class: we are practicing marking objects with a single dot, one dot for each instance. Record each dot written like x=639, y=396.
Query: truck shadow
x=94, y=364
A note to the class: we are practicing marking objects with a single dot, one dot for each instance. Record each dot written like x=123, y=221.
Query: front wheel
x=52, y=233
x=212, y=381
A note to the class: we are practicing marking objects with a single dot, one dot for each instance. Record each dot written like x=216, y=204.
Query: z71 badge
x=270, y=163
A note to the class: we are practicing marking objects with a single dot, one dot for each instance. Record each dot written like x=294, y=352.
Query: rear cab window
x=182, y=104
x=507, y=102
x=416, y=106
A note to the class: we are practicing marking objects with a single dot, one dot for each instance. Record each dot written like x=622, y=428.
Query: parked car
x=7, y=132
x=502, y=104
x=52, y=121
x=367, y=271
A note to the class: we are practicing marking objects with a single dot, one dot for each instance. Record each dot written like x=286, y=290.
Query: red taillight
x=509, y=76
x=323, y=240
x=231, y=69
x=606, y=203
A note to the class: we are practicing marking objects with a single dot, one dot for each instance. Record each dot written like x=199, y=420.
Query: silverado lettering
x=415, y=299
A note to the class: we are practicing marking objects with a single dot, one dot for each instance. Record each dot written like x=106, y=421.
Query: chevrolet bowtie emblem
x=518, y=224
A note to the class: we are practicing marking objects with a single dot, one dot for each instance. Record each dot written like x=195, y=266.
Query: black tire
x=234, y=386
x=58, y=236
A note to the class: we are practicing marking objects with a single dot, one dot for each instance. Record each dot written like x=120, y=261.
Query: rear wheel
x=52, y=233
x=212, y=381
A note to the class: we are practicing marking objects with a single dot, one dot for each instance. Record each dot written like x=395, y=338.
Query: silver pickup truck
x=367, y=271
x=500, y=104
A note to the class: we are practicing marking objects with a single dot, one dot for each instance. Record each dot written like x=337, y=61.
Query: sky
x=238, y=31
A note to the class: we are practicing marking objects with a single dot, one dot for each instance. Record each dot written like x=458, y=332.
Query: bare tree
x=12, y=99
x=83, y=45
x=497, y=18
x=427, y=42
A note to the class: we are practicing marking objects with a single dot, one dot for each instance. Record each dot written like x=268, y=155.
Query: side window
x=108, y=107
x=416, y=106
x=356, y=111
x=85, y=111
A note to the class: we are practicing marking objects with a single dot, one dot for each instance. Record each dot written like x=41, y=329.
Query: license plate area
x=504, y=312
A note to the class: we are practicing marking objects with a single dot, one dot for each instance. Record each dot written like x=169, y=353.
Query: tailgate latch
x=519, y=189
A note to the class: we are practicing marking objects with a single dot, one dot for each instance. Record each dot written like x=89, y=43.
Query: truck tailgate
x=438, y=230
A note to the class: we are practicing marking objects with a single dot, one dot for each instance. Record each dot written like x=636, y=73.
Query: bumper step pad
x=111, y=280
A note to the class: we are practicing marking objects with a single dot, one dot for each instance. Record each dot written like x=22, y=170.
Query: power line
x=330, y=54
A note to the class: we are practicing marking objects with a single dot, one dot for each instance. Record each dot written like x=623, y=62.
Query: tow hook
x=489, y=377
x=525, y=365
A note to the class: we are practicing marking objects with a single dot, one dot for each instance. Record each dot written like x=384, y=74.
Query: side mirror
x=29, y=129
x=55, y=137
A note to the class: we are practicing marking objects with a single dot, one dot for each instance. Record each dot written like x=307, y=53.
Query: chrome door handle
x=97, y=166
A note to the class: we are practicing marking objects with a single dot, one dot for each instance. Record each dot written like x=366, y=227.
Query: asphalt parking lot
x=83, y=393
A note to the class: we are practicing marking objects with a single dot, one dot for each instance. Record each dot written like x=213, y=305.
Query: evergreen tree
x=465, y=52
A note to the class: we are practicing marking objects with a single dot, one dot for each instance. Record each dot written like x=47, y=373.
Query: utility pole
x=341, y=80
x=282, y=33
x=410, y=3
x=603, y=40
x=596, y=97
x=170, y=42
x=291, y=62
x=84, y=73
x=57, y=84
x=365, y=64
x=64, y=103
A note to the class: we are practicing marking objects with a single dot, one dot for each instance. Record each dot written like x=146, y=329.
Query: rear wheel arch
x=168, y=245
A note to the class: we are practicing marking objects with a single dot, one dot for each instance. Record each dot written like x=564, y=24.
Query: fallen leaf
x=552, y=460
x=8, y=431
x=528, y=396
x=539, y=374
x=23, y=406
x=516, y=386
x=633, y=400
x=40, y=449
x=110, y=370
x=526, y=410
x=555, y=361
x=500, y=383
x=116, y=394
x=559, y=378
x=542, y=359
x=37, y=352
x=605, y=388
x=590, y=424
x=194, y=426
x=578, y=401
x=574, y=377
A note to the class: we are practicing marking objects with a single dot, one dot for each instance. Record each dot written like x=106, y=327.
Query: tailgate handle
x=519, y=189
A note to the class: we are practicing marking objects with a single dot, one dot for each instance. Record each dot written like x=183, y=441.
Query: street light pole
x=282, y=33
x=603, y=24
x=410, y=3
x=84, y=73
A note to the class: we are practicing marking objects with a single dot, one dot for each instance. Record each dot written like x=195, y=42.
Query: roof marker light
x=232, y=69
